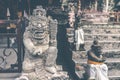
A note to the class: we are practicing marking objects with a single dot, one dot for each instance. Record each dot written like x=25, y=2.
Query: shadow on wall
x=64, y=56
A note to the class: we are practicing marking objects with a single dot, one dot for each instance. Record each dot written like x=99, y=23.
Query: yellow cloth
x=94, y=62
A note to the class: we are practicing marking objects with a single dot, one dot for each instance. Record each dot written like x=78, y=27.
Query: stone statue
x=71, y=15
x=97, y=70
x=40, y=42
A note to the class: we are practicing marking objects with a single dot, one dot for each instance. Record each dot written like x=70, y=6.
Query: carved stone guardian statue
x=40, y=42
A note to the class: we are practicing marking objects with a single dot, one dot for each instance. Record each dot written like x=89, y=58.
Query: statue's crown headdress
x=39, y=11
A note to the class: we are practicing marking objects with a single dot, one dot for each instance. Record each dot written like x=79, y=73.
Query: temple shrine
x=51, y=39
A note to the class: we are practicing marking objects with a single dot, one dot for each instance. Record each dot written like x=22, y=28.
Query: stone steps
x=114, y=77
x=9, y=76
x=107, y=53
x=7, y=79
x=115, y=72
x=109, y=38
x=104, y=41
x=101, y=34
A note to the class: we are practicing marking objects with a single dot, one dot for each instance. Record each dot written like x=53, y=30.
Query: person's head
x=96, y=47
x=95, y=42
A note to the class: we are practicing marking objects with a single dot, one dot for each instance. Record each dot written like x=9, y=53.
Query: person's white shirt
x=79, y=36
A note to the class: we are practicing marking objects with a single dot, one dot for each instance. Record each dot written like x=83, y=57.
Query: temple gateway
x=60, y=40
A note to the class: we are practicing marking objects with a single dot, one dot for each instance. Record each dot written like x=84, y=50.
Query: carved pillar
x=107, y=5
x=96, y=4
x=79, y=6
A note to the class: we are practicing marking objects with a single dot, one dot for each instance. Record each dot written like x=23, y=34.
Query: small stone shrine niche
x=41, y=47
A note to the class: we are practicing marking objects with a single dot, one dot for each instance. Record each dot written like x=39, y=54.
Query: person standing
x=79, y=39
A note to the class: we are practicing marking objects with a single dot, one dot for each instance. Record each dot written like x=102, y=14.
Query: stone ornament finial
x=8, y=12
x=39, y=11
